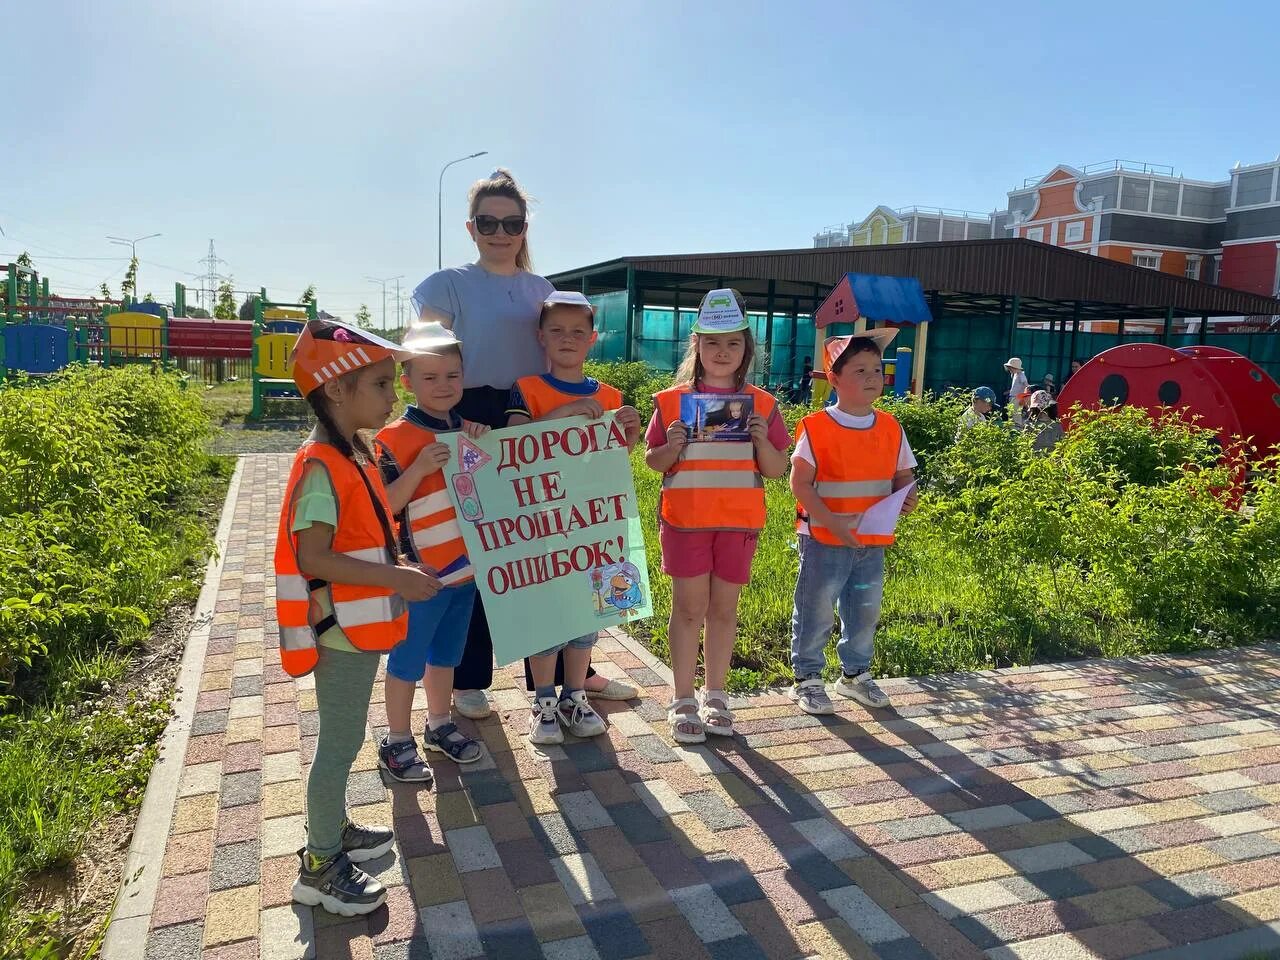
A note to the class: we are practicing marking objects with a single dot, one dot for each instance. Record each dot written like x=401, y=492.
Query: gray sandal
x=454, y=744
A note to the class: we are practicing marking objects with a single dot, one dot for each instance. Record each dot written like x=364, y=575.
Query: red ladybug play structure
x=1216, y=388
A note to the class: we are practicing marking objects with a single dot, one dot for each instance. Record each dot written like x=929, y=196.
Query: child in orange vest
x=712, y=509
x=340, y=593
x=847, y=457
x=566, y=330
x=412, y=452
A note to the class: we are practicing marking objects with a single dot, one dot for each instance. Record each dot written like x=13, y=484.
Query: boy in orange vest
x=412, y=452
x=566, y=330
x=847, y=457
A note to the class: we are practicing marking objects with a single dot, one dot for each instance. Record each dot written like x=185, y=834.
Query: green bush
x=102, y=477
x=930, y=423
x=638, y=382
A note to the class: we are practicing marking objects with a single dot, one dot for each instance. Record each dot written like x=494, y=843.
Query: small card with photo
x=717, y=416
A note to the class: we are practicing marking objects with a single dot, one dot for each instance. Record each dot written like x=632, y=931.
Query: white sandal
x=675, y=718
x=712, y=716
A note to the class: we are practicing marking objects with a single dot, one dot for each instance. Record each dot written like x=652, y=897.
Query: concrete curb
x=126, y=937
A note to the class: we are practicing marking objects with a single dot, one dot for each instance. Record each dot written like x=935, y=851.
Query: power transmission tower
x=399, y=316
x=382, y=282
x=209, y=282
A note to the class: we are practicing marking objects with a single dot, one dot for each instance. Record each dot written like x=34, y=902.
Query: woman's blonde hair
x=502, y=184
x=691, y=371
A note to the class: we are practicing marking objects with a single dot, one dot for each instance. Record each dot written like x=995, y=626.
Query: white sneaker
x=811, y=697
x=578, y=716
x=472, y=704
x=862, y=687
x=544, y=722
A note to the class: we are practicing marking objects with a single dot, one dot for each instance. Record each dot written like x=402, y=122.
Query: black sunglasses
x=488, y=226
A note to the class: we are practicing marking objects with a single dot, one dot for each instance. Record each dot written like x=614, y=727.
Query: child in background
x=847, y=457
x=412, y=453
x=1042, y=422
x=1019, y=392
x=978, y=411
x=340, y=593
x=566, y=330
x=711, y=510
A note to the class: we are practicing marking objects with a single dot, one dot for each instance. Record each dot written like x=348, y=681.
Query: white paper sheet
x=881, y=518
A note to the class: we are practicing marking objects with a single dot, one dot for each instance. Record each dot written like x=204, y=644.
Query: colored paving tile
x=1101, y=810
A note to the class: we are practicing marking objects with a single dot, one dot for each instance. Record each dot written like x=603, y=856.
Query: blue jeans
x=585, y=642
x=835, y=577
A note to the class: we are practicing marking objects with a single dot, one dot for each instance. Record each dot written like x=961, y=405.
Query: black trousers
x=487, y=405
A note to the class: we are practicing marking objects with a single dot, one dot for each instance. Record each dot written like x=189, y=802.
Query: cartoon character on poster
x=616, y=588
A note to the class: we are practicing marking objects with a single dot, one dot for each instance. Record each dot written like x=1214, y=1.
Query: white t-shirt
x=906, y=459
x=1017, y=386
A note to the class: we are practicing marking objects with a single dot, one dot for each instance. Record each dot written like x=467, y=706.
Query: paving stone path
x=1109, y=809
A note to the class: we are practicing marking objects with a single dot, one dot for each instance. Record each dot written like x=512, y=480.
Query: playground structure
x=275, y=330
x=43, y=333
x=1209, y=386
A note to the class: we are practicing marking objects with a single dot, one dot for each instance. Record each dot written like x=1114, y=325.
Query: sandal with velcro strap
x=453, y=743
x=716, y=720
x=691, y=719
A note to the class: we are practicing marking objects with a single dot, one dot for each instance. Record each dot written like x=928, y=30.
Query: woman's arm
x=430, y=315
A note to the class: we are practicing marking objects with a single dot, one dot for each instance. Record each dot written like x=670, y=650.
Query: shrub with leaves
x=100, y=477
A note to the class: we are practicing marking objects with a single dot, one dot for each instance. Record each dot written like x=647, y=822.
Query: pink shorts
x=695, y=553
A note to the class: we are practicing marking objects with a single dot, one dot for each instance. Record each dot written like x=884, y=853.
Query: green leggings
x=344, y=684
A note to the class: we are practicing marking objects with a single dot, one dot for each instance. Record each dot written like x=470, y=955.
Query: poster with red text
x=549, y=516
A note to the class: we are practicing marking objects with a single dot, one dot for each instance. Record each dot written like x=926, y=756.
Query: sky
x=306, y=138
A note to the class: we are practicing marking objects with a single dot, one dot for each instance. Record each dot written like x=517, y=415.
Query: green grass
x=228, y=401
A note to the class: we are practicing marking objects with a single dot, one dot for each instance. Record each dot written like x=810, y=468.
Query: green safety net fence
x=963, y=351
x=661, y=338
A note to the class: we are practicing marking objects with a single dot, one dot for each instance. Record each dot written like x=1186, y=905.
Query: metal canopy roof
x=960, y=276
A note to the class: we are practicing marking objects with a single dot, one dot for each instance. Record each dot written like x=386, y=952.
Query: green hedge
x=103, y=477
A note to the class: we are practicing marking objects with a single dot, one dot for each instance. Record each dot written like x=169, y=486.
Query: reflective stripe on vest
x=717, y=450
x=854, y=488
x=711, y=479
x=424, y=507
x=373, y=618
x=716, y=484
x=361, y=613
x=429, y=519
x=853, y=469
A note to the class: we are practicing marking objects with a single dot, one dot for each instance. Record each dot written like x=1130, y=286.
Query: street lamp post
x=440, y=203
x=382, y=282
x=133, y=253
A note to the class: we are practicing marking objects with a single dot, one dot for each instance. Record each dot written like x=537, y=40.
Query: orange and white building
x=1221, y=231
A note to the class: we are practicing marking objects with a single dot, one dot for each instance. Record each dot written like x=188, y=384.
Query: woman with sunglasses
x=492, y=306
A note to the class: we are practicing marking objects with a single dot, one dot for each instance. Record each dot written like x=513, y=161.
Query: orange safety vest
x=432, y=523
x=541, y=397
x=853, y=469
x=373, y=618
x=716, y=484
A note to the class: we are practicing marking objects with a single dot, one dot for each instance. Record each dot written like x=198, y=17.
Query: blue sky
x=306, y=138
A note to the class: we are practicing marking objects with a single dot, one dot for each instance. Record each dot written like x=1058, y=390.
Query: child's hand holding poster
x=717, y=416
x=549, y=516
